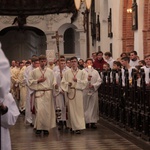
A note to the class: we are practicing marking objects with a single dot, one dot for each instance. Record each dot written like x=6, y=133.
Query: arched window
x=69, y=41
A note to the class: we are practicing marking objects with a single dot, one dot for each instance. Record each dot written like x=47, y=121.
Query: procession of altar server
x=64, y=92
x=60, y=93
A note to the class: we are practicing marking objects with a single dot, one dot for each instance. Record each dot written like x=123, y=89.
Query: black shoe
x=31, y=125
x=93, y=126
x=87, y=125
x=78, y=132
x=71, y=130
x=45, y=132
x=38, y=132
x=23, y=112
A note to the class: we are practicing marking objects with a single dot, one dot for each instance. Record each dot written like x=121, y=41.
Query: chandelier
x=78, y=3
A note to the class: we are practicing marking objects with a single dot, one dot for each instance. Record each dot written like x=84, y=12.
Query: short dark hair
x=134, y=52
x=107, y=64
x=124, y=53
x=81, y=60
x=126, y=59
x=68, y=59
x=99, y=52
x=28, y=62
x=20, y=63
x=108, y=54
x=33, y=59
x=143, y=62
x=89, y=59
x=118, y=63
x=74, y=58
x=62, y=57
x=42, y=57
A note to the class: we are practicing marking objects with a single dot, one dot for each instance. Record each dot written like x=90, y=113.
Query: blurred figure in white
x=59, y=95
x=51, y=64
x=73, y=82
x=22, y=87
x=133, y=59
x=30, y=111
x=8, y=107
x=90, y=95
x=14, y=79
x=43, y=81
x=125, y=63
x=68, y=63
x=147, y=60
x=108, y=58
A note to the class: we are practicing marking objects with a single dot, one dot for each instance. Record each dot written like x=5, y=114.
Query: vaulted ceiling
x=35, y=7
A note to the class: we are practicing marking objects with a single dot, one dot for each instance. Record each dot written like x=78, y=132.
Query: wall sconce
x=129, y=10
x=78, y=3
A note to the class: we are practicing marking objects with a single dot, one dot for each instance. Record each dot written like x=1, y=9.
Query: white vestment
x=14, y=79
x=90, y=97
x=110, y=62
x=4, y=76
x=147, y=72
x=6, y=98
x=23, y=89
x=29, y=117
x=58, y=94
x=134, y=63
x=44, y=105
x=7, y=120
x=74, y=97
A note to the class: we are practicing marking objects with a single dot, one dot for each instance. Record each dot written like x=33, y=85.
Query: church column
x=146, y=31
x=127, y=32
x=82, y=45
x=50, y=42
x=138, y=34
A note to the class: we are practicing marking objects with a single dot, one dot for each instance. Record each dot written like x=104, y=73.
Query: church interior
x=84, y=29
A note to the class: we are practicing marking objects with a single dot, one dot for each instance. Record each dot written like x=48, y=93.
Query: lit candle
x=89, y=70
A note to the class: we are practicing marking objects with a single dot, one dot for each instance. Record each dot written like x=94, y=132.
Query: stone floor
x=103, y=138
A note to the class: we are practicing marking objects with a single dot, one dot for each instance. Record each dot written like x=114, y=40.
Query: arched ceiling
x=35, y=7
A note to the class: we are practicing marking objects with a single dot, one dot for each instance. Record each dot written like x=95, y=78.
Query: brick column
x=128, y=33
x=146, y=31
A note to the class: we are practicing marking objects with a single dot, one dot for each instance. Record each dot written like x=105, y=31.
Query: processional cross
x=57, y=36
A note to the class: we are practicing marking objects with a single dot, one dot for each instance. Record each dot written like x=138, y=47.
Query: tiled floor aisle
x=24, y=138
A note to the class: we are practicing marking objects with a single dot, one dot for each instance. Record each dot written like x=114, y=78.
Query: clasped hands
x=41, y=79
x=91, y=86
x=74, y=79
x=89, y=77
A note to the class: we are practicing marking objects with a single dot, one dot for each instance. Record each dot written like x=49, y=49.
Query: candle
x=90, y=70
